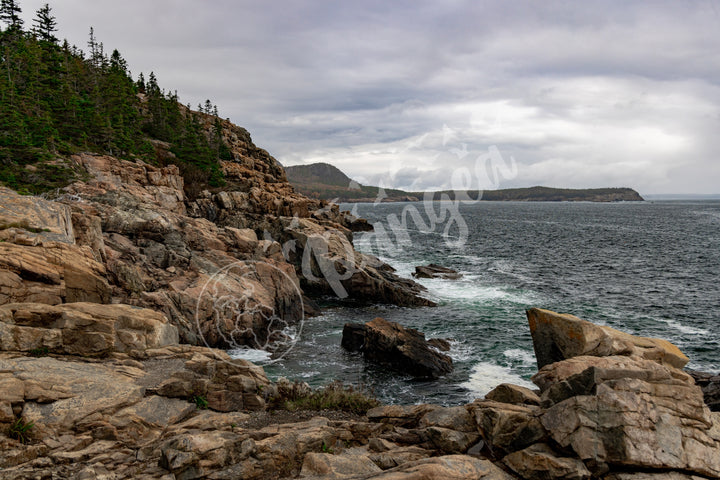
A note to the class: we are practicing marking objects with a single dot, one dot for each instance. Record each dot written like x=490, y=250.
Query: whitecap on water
x=526, y=357
x=685, y=328
x=485, y=376
x=250, y=354
x=474, y=292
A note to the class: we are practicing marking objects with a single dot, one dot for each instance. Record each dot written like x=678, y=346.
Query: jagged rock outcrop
x=558, y=337
x=619, y=401
x=392, y=345
x=128, y=234
x=134, y=412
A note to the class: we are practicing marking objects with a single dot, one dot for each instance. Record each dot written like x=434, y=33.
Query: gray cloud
x=579, y=94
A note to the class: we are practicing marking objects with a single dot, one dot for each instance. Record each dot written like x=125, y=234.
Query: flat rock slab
x=158, y=411
x=94, y=387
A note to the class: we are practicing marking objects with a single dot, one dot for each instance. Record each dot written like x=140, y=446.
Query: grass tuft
x=334, y=396
x=20, y=430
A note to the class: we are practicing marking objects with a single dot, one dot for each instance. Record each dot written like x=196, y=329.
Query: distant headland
x=326, y=182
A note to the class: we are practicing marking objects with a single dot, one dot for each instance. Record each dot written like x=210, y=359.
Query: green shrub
x=39, y=352
x=200, y=401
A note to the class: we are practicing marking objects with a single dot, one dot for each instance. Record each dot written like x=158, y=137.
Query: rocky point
x=109, y=367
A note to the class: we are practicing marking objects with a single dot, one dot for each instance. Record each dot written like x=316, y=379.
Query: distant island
x=327, y=182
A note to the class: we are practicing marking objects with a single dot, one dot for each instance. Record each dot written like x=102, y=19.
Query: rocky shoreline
x=109, y=393
x=118, y=294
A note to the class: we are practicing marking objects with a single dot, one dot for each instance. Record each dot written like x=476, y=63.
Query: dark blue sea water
x=647, y=268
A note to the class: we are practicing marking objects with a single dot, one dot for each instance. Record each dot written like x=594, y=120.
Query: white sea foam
x=685, y=328
x=486, y=376
x=460, y=351
x=526, y=357
x=250, y=354
x=474, y=291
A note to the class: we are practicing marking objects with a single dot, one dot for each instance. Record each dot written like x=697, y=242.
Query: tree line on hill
x=57, y=100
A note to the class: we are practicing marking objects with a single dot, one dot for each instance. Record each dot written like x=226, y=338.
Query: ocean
x=646, y=268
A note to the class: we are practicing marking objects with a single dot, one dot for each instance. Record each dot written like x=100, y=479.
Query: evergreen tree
x=45, y=25
x=55, y=100
x=140, y=84
x=10, y=14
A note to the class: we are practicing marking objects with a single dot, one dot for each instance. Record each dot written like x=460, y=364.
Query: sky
x=443, y=94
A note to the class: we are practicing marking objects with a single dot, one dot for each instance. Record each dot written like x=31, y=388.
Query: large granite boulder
x=621, y=402
x=561, y=336
x=394, y=346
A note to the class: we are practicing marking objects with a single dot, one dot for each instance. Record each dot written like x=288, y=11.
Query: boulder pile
x=135, y=404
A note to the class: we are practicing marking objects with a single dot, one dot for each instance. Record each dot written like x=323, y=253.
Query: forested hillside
x=57, y=99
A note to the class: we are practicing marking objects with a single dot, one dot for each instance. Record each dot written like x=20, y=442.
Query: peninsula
x=327, y=182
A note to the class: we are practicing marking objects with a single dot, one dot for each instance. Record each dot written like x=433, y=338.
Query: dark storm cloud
x=579, y=94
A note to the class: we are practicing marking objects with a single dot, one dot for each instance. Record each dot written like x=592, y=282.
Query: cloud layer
x=416, y=94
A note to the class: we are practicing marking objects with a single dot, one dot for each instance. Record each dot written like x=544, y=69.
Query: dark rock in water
x=353, y=338
x=436, y=271
x=710, y=385
x=392, y=345
x=440, y=343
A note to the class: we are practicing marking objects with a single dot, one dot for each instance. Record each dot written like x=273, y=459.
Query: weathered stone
x=227, y=401
x=540, y=462
x=455, y=418
x=94, y=388
x=561, y=336
x=632, y=422
x=400, y=415
x=440, y=343
x=400, y=348
x=651, y=476
x=353, y=337
x=506, y=428
x=83, y=328
x=65, y=271
x=449, y=467
x=155, y=410
x=48, y=220
x=556, y=375
x=508, y=393
x=397, y=456
x=450, y=441
x=330, y=265
x=329, y=466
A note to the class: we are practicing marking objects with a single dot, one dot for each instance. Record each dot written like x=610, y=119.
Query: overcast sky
x=420, y=94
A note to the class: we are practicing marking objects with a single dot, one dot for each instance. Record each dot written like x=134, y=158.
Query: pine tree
x=46, y=25
x=140, y=84
x=10, y=14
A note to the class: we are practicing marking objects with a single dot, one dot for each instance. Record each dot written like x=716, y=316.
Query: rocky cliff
x=114, y=291
x=129, y=234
